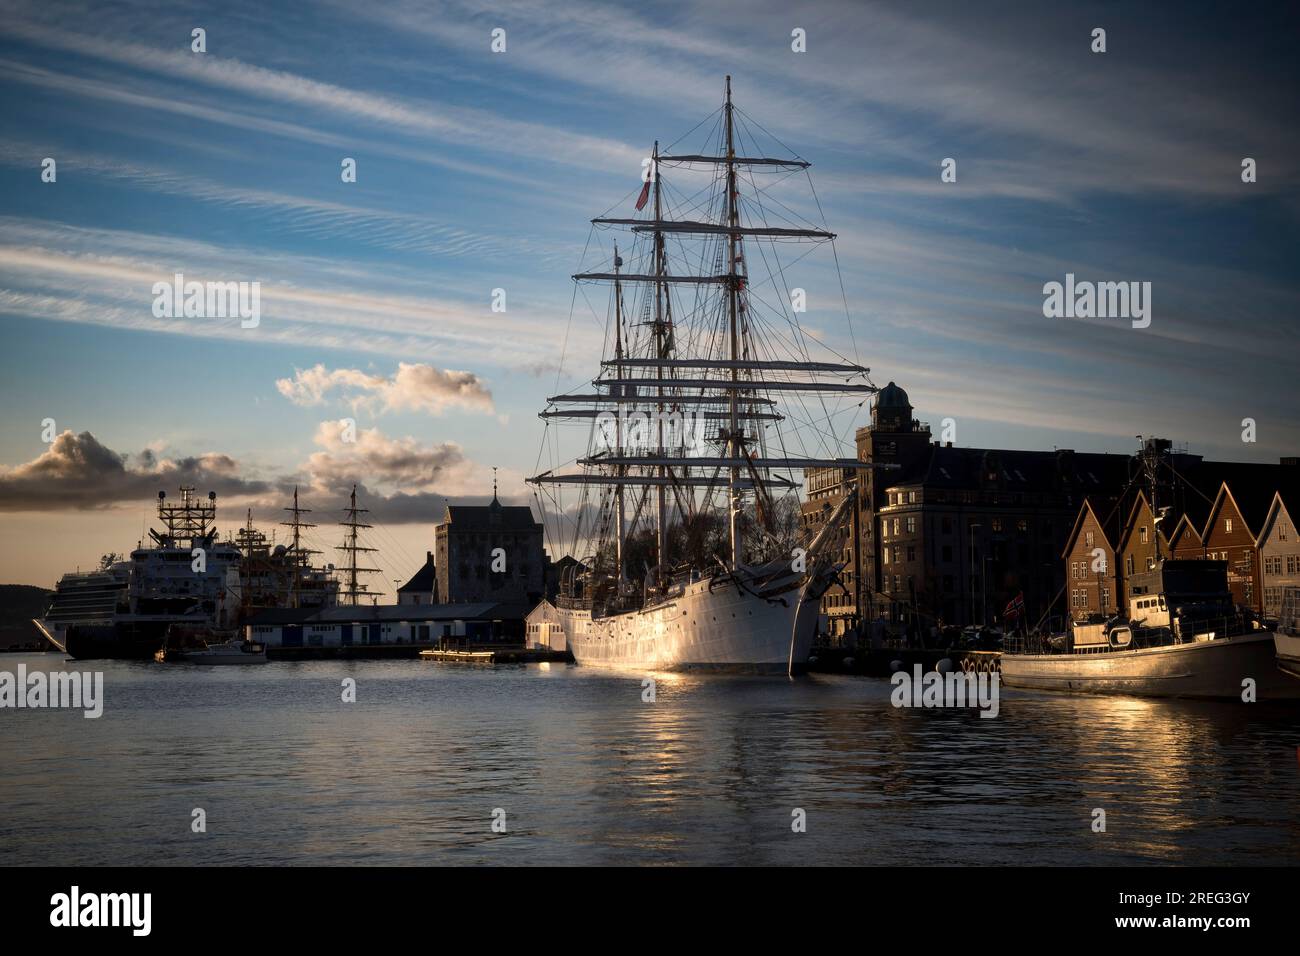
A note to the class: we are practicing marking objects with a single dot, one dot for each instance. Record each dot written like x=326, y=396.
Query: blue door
x=346, y=636
x=374, y=634
x=293, y=635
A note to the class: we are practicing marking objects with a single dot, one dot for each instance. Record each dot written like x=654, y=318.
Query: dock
x=511, y=655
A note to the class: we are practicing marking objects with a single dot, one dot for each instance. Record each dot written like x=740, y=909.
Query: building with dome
x=950, y=535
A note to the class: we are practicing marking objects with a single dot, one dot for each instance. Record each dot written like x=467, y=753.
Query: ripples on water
x=588, y=773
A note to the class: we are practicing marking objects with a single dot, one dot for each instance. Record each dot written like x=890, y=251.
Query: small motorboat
x=228, y=652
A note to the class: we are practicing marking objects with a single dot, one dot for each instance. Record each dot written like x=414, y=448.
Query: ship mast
x=735, y=448
x=620, y=531
x=661, y=521
x=350, y=547
x=1150, y=457
x=715, y=375
x=300, y=554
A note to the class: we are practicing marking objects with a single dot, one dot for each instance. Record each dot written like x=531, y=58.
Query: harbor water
x=577, y=766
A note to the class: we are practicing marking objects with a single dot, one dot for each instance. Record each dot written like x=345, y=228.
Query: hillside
x=19, y=603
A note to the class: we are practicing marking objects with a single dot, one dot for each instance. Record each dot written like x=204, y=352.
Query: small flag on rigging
x=645, y=195
x=1015, y=607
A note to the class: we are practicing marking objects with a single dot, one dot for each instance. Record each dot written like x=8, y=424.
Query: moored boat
x=1182, y=637
x=227, y=653
x=686, y=498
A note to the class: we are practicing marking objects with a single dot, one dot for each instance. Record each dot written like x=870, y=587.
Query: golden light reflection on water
x=587, y=770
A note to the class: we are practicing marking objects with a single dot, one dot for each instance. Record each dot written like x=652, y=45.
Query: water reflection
x=587, y=770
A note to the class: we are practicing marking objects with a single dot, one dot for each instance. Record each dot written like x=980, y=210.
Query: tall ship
x=185, y=581
x=710, y=400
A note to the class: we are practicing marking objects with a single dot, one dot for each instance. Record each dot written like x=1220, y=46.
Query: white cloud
x=414, y=387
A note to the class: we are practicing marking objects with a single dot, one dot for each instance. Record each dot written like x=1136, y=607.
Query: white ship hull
x=713, y=625
x=1287, y=647
x=1212, y=669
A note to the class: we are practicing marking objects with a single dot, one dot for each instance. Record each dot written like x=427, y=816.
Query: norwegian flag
x=1015, y=607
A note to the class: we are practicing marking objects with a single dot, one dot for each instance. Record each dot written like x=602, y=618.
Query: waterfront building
x=423, y=586
x=1142, y=542
x=1221, y=511
x=825, y=489
x=1092, y=562
x=949, y=535
x=1229, y=535
x=489, y=553
x=1279, y=550
x=544, y=628
x=465, y=625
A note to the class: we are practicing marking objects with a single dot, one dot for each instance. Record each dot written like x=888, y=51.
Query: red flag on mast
x=645, y=195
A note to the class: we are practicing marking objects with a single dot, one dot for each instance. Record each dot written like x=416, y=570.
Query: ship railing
x=1187, y=632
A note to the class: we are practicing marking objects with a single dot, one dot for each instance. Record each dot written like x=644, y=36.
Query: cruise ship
x=710, y=401
x=127, y=607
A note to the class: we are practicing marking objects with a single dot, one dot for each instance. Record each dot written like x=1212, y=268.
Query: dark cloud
x=78, y=473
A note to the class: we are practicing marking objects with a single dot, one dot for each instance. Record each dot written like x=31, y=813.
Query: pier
x=511, y=654
x=508, y=655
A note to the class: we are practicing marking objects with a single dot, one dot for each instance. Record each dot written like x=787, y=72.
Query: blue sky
x=479, y=170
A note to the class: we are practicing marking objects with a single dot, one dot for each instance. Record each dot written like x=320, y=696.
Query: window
x=1105, y=597
x=1227, y=525
x=1151, y=564
x=911, y=526
x=1087, y=539
x=911, y=553
x=997, y=524
x=1022, y=525
x=911, y=497
x=885, y=555
x=896, y=525
x=947, y=552
x=1128, y=564
x=1142, y=534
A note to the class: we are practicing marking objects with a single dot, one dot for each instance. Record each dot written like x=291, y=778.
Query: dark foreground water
x=586, y=772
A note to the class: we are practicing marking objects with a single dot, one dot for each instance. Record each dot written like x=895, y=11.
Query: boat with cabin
x=1181, y=637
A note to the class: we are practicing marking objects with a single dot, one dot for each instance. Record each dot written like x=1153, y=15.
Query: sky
x=479, y=170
